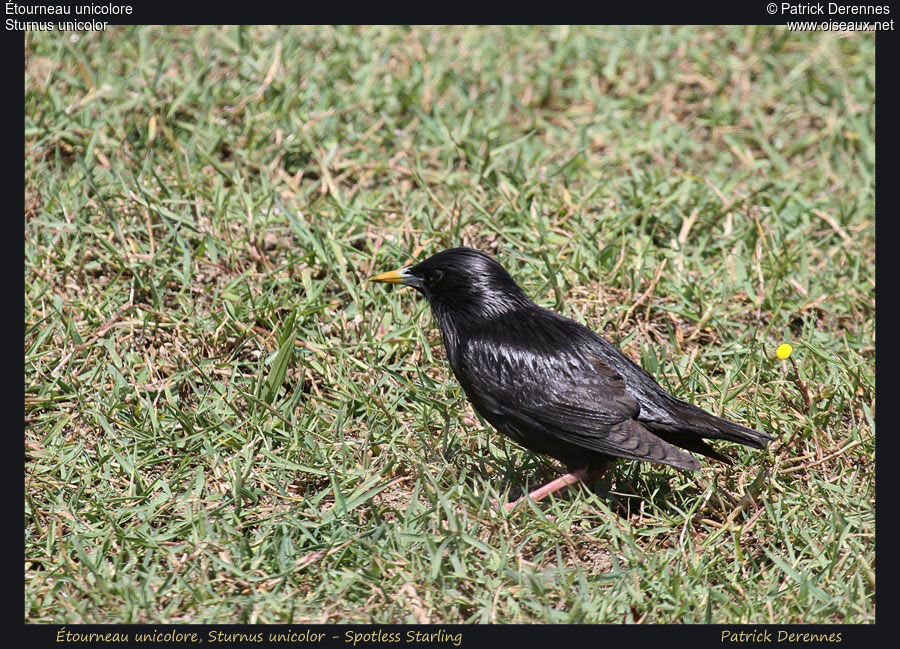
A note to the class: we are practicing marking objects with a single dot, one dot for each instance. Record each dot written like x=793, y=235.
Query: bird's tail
x=710, y=426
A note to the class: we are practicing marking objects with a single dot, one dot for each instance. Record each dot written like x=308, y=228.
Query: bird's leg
x=581, y=475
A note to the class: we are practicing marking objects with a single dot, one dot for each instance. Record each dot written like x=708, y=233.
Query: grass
x=225, y=423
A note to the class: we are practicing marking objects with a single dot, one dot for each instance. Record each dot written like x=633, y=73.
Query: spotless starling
x=550, y=383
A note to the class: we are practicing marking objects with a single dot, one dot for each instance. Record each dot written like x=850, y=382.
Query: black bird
x=551, y=384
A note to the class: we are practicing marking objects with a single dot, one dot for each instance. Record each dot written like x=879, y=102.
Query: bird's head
x=461, y=283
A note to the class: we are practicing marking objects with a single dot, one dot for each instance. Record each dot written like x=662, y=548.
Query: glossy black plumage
x=551, y=384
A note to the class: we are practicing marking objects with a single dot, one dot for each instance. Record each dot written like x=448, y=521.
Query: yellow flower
x=784, y=352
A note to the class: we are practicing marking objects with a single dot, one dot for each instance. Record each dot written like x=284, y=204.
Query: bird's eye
x=435, y=276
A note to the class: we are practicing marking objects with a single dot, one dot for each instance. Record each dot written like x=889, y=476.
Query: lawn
x=224, y=422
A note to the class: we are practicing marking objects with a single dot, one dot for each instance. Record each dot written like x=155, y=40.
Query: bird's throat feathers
x=458, y=318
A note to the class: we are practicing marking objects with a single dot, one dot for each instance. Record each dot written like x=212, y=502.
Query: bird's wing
x=582, y=401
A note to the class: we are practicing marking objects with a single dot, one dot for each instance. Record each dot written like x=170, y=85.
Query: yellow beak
x=392, y=277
